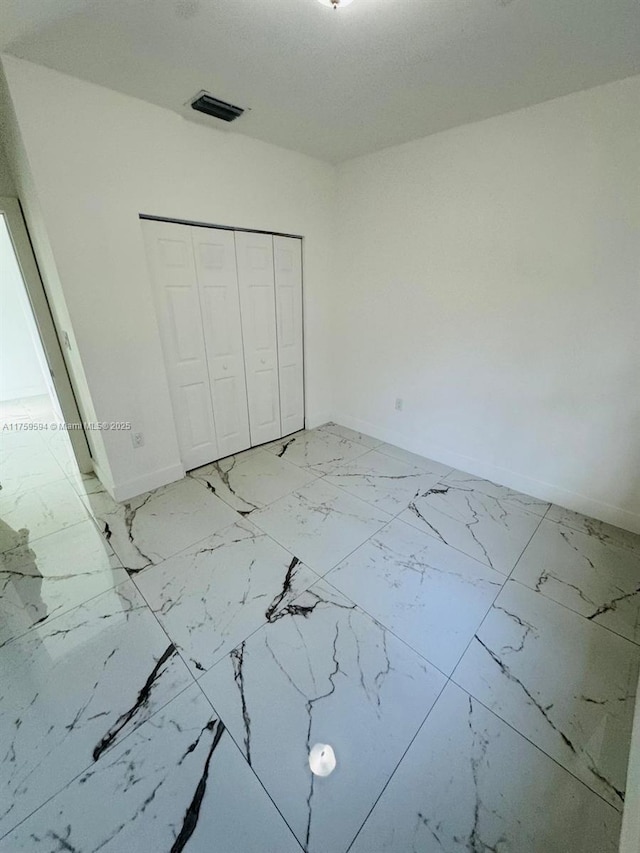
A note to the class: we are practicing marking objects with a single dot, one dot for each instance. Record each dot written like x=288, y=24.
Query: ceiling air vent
x=206, y=103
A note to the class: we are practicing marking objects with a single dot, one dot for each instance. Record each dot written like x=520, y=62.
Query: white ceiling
x=334, y=84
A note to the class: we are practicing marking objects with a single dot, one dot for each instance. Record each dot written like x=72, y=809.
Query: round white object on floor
x=322, y=759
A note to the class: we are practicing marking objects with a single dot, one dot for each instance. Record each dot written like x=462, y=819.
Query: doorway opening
x=37, y=449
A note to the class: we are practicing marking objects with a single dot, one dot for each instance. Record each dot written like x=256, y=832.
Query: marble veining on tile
x=317, y=449
x=178, y=783
x=480, y=524
x=605, y=533
x=381, y=480
x=565, y=683
x=322, y=671
x=213, y=595
x=599, y=580
x=109, y=745
x=502, y=494
x=407, y=580
x=74, y=687
x=145, y=530
x=469, y=782
x=249, y=483
x=414, y=459
x=38, y=512
x=320, y=523
x=52, y=575
x=22, y=470
x=351, y=434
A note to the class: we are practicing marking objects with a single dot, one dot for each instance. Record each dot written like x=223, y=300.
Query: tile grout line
x=244, y=758
x=133, y=571
x=196, y=680
x=527, y=512
x=418, y=530
x=192, y=677
x=164, y=631
x=393, y=772
x=94, y=763
x=385, y=628
x=241, y=518
x=484, y=565
x=135, y=728
x=49, y=619
x=324, y=576
x=575, y=612
x=506, y=580
x=64, y=527
x=44, y=536
x=263, y=625
x=548, y=597
x=539, y=748
x=246, y=513
x=450, y=679
x=477, y=560
x=422, y=657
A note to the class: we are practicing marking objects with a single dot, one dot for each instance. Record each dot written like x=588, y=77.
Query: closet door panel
x=215, y=258
x=257, y=298
x=288, y=281
x=175, y=291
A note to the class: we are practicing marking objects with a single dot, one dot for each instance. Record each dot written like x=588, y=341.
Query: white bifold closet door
x=229, y=306
x=175, y=287
x=215, y=256
x=287, y=263
x=258, y=301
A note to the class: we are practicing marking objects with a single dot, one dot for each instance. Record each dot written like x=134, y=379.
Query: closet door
x=257, y=299
x=215, y=257
x=175, y=290
x=287, y=254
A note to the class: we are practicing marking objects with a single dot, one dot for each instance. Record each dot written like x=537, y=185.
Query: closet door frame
x=196, y=223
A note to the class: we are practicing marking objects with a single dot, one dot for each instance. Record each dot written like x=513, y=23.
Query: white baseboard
x=101, y=475
x=616, y=515
x=133, y=488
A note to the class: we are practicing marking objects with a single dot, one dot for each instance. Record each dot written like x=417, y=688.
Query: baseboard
x=133, y=488
x=618, y=516
x=101, y=475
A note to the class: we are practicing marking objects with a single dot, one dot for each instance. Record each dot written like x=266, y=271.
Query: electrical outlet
x=137, y=439
x=399, y=404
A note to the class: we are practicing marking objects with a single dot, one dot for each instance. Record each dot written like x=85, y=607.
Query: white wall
x=105, y=158
x=490, y=277
x=21, y=364
x=26, y=191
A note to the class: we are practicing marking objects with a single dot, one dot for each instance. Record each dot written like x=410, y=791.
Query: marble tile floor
x=166, y=664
